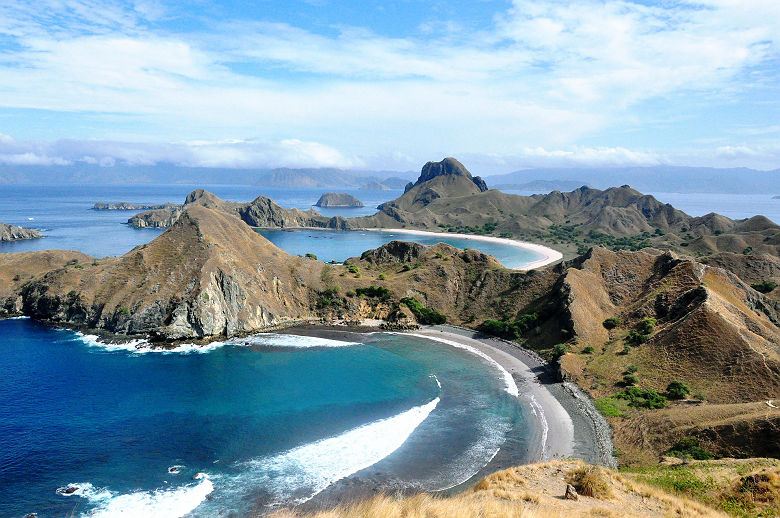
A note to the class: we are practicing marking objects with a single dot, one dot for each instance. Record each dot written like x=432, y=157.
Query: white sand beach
x=550, y=255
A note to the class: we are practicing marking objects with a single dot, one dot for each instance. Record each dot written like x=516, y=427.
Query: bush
x=374, y=291
x=612, y=322
x=382, y=276
x=588, y=350
x=511, y=330
x=639, y=398
x=764, y=287
x=590, y=481
x=689, y=447
x=632, y=369
x=125, y=311
x=559, y=350
x=406, y=268
x=626, y=349
x=351, y=268
x=311, y=256
x=647, y=325
x=350, y=294
x=423, y=314
x=634, y=337
x=677, y=390
x=630, y=379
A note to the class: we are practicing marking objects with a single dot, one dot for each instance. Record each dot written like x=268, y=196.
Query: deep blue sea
x=237, y=427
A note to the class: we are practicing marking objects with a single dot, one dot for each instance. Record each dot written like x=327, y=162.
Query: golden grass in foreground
x=532, y=491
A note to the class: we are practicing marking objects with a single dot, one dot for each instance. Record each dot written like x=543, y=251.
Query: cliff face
x=208, y=275
x=260, y=212
x=14, y=233
x=338, y=199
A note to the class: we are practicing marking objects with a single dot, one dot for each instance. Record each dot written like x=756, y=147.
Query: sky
x=502, y=85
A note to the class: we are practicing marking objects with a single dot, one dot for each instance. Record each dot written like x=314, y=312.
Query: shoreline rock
x=14, y=233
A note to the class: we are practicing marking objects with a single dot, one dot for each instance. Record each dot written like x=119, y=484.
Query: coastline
x=550, y=255
x=564, y=421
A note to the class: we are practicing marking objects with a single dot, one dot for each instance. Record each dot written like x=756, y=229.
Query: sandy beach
x=549, y=255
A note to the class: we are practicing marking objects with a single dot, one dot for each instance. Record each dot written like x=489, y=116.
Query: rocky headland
x=124, y=205
x=14, y=233
x=338, y=199
x=374, y=186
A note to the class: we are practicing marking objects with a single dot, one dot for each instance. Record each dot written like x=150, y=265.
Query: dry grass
x=590, y=481
x=532, y=491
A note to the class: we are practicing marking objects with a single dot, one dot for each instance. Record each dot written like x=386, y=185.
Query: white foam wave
x=23, y=317
x=143, y=346
x=161, y=503
x=437, y=380
x=509, y=382
x=282, y=340
x=538, y=411
x=298, y=474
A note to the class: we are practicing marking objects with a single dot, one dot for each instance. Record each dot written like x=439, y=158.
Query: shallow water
x=253, y=422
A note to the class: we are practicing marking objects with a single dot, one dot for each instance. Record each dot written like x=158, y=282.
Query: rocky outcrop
x=261, y=212
x=208, y=275
x=338, y=199
x=124, y=205
x=14, y=233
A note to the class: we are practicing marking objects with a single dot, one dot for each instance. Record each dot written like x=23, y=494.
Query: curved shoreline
x=550, y=255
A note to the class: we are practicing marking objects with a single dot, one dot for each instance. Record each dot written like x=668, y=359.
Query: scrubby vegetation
x=612, y=322
x=373, y=291
x=764, y=287
x=511, y=330
x=328, y=297
x=639, y=398
x=677, y=390
x=688, y=447
x=590, y=481
x=423, y=314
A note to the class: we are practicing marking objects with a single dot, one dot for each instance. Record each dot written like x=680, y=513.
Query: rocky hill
x=124, y=205
x=338, y=199
x=260, y=212
x=14, y=233
x=374, y=186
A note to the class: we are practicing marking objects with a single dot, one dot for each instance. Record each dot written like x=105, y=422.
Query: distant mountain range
x=327, y=178
x=645, y=179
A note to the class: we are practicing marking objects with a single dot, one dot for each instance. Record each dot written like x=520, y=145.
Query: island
x=338, y=199
x=124, y=205
x=14, y=233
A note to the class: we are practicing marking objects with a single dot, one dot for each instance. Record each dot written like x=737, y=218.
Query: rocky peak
x=448, y=167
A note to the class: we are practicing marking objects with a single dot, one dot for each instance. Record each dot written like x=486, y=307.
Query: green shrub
x=689, y=447
x=612, y=322
x=382, y=276
x=311, y=256
x=626, y=349
x=511, y=330
x=374, y=291
x=351, y=268
x=630, y=379
x=588, y=350
x=639, y=398
x=559, y=350
x=406, y=268
x=423, y=314
x=632, y=369
x=439, y=255
x=647, y=325
x=79, y=266
x=677, y=390
x=634, y=337
x=125, y=311
x=350, y=294
x=607, y=406
x=764, y=287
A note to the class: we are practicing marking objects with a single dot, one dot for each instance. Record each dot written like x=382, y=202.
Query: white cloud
x=546, y=75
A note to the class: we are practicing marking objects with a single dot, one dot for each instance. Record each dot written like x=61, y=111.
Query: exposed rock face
x=123, y=205
x=260, y=212
x=448, y=167
x=14, y=233
x=338, y=199
x=208, y=275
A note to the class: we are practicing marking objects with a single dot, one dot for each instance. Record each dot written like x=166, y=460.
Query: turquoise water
x=237, y=427
x=331, y=245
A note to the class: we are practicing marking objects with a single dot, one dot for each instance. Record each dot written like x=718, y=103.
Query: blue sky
x=502, y=85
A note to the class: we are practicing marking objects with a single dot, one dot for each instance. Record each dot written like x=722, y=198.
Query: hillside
x=14, y=233
x=617, y=218
x=260, y=212
x=538, y=490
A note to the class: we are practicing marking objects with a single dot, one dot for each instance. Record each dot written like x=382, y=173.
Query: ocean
x=238, y=427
